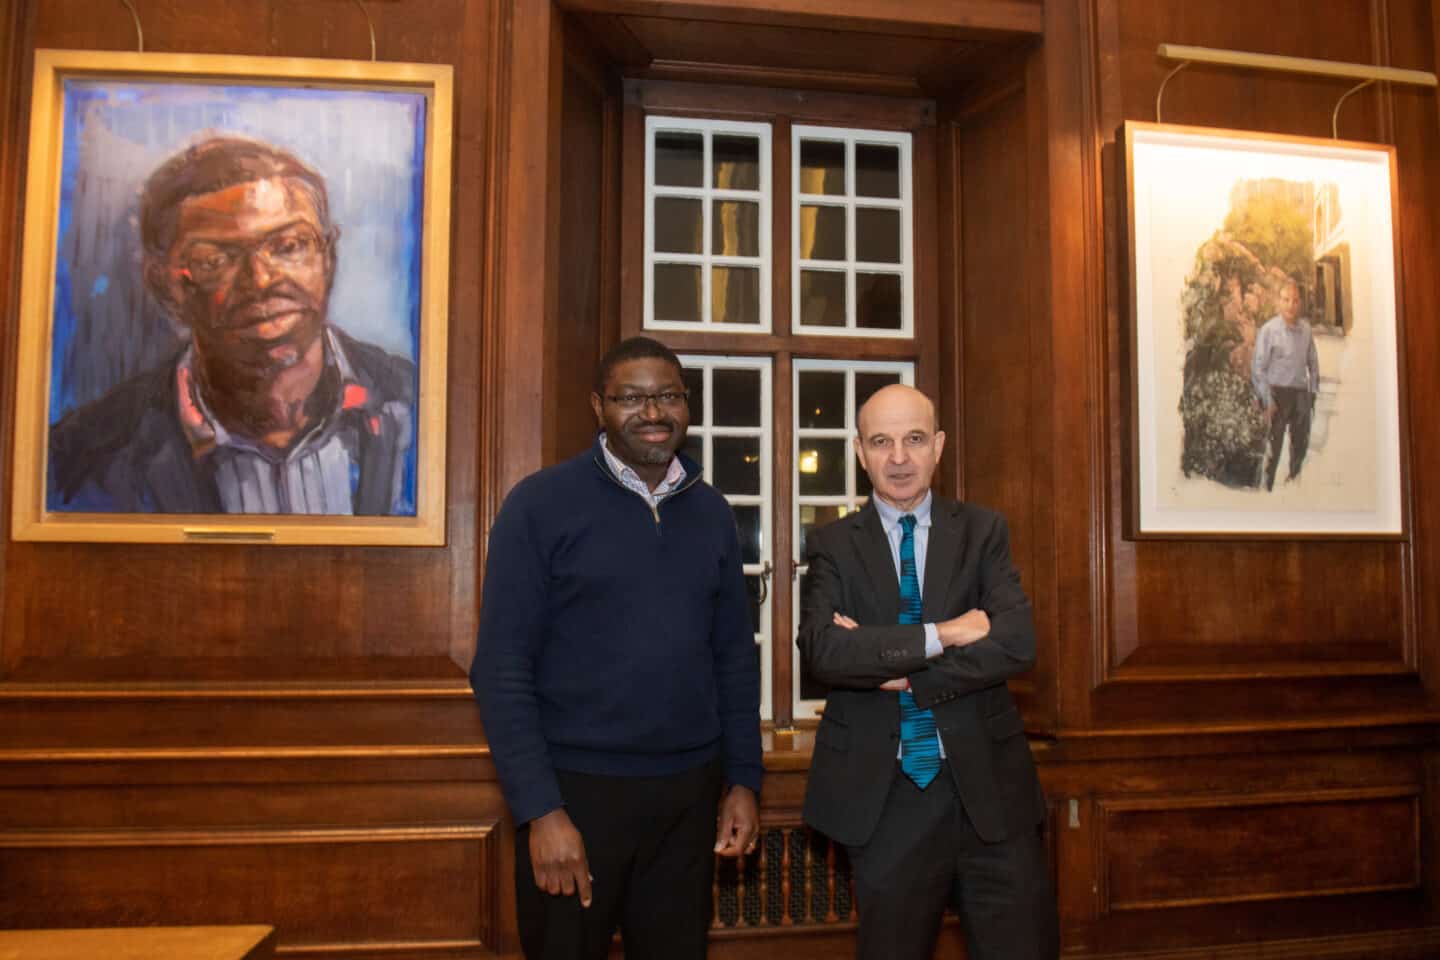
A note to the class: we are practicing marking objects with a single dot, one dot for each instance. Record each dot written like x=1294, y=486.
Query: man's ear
x=598, y=405
x=162, y=286
x=939, y=444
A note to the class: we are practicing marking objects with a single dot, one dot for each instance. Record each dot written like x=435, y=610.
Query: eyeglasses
x=210, y=264
x=665, y=400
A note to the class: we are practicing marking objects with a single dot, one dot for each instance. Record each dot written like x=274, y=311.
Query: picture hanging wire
x=1335, y=114
x=139, y=33
x=1369, y=73
x=1160, y=94
x=369, y=23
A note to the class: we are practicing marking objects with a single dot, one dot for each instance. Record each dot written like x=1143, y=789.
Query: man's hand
x=965, y=629
x=557, y=855
x=738, y=823
x=899, y=683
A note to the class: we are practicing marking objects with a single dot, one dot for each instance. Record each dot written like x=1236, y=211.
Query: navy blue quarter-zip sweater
x=613, y=639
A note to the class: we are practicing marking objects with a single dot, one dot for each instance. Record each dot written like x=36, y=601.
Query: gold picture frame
x=123, y=336
x=1264, y=303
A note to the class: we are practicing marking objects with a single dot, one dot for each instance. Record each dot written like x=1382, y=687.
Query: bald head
x=899, y=444
x=896, y=399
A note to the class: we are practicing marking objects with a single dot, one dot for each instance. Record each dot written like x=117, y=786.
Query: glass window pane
x=747, y=520
x=822, y=399
x=878, y=301
x=822, y=298
x=737, y=398
x=735, y=228
x=877, y=170
x=679, y=159
x=735, y=295
x=877, y=235
x=867, y=383
x=822, y=233
x=813, y=518
x=822, y=466
x=736, y=469
x=695, y=448
x=736, y=161
x=695, y=383
x=678, y=225
x=822, y=167
x=677, y=293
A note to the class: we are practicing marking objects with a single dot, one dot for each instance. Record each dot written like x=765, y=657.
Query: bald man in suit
x=913, y=614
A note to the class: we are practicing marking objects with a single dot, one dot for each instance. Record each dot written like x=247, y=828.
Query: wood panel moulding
x=293, y=878
x=919, y=18
x=1183, y=851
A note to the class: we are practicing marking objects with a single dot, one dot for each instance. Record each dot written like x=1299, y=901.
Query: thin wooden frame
x=419, y=520
x=1215, y=219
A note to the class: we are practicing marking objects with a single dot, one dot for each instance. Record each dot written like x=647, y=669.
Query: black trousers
x=925, y=856
x=1293, y=406
x=650, y=843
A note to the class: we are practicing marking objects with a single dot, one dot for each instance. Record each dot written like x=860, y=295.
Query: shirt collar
x=674, y=473
x=890, y=516
x=205, y=434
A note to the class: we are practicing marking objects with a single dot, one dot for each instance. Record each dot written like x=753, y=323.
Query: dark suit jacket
x=967, y=566
x=126, y=452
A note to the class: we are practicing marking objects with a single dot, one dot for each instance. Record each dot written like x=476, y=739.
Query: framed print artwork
x=1264, y=382
x=234, y=301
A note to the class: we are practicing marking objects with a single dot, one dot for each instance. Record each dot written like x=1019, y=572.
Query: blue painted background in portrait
x=368, y=145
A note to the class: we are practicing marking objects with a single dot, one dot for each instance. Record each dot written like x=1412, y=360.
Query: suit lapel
x=874, y=550
x=947, y=536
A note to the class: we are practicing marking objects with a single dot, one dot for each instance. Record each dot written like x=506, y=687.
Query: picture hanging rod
x=1270, y=61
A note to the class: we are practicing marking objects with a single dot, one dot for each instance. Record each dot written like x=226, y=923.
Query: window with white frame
x=707, y=225
x=853, y=256
x=828, y=481
x=730, y=437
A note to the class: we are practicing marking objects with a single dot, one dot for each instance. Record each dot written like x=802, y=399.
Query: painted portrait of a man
x=236, y=323
x=267, y=407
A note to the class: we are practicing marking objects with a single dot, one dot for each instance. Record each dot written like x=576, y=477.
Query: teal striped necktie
x=919, y=749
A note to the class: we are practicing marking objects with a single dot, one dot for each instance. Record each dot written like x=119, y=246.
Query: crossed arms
x=980, y=648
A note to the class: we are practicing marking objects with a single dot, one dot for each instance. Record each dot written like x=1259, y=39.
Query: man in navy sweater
x=616, y=675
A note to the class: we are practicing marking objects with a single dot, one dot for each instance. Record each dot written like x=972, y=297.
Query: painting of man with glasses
x=264, y=403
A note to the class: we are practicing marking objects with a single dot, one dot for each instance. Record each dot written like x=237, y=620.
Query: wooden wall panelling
x=1224, y=846
x=78, y=603
x=950, y=356
x=923, y=18
x=1073, y=264
x=924, y=143
x=1001, y=329
x=583, y=322
x=1193, y=611
x=469, y=498
x=1417, y=142
x=14, y=115
x=525, y=101
x=291, y=878
x=1181, y=851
